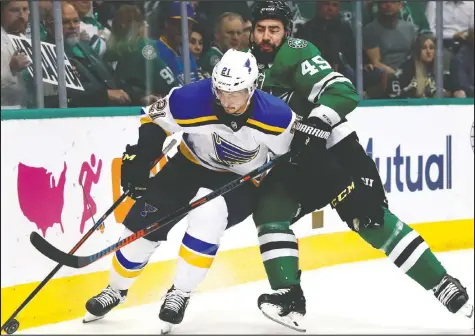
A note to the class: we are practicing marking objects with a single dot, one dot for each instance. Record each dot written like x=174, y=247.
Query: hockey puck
x=12, y=326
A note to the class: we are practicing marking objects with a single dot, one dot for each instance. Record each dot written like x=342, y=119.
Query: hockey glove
x=310, y=137
x=135, y=172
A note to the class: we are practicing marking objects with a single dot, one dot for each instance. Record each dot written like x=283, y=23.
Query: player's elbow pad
x=151, y=139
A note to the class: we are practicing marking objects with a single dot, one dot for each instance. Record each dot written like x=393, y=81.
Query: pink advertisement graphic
x=87, y=177
x=41, y=199
x=41, y=195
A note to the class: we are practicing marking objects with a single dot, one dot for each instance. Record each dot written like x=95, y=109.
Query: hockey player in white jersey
x=311, y=184
x=229, y=128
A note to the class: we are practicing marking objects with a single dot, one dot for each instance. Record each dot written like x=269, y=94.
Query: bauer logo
x=415, y=172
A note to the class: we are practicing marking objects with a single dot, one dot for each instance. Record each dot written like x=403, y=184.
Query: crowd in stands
x=129, y=53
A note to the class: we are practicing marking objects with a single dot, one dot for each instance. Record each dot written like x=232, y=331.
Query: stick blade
x=52, y=252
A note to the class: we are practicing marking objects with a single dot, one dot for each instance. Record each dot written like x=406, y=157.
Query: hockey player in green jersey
x=294, y=70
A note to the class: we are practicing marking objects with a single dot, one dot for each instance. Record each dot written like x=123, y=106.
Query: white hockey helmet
x=236, y=71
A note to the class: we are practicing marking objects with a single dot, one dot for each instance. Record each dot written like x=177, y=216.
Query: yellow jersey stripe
x=123, y=271
x=165, y=43
x=195, y=120
x=146, y=119
x=265, y=126
x=195, y=259
x=187, y=153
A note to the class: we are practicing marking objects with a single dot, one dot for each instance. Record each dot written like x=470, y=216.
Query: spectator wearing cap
x=169, y=45
x=135, y=57
x=227, y=35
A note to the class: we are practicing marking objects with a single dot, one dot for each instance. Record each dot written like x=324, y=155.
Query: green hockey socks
x=278, y=244
x=279, y=249
x=406, y=249
x=280, y=254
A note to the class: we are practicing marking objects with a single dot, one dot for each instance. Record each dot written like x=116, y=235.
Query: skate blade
x=467, y=310
x=165, y=327
x=88, y=318
x=292, y=320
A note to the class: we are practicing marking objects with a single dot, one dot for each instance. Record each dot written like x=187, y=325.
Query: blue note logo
x=147, y=209
x=229, y=154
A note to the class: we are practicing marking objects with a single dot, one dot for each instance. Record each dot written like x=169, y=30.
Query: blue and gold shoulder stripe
x=270, y=114
x=192, y=104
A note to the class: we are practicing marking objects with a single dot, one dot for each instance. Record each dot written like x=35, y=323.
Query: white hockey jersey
x=221, y=142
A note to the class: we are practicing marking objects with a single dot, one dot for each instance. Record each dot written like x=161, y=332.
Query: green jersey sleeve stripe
x=319, y=87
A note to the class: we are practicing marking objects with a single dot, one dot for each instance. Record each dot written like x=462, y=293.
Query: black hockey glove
x=135, y=172
x=310, y=137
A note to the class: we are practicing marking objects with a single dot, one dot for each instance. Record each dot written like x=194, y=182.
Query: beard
x=266, y=47
x=71, y=39
x=264, y=55
x=17, y=27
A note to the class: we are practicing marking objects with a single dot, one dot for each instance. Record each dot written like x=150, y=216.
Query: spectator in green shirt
x=228, y=32
x=137, y=62
x=91, y=30
x=100, y=87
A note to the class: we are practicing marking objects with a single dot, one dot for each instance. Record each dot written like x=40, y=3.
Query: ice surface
x=369, y=297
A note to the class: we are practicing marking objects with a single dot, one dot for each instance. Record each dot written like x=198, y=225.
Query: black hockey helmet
x=277, y=10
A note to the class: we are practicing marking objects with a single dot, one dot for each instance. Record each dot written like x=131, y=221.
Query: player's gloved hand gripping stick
x=81, y=261
x=11, y=325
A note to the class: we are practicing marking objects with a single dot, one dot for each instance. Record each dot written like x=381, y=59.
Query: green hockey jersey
x=210, y=59
x=301, y=77
x=140, y=66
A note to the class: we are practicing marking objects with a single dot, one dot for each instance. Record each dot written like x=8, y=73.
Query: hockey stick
x=11, y=325
x=81, y=261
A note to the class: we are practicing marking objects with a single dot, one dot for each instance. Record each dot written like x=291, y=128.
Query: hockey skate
x=98, y=306
x=285, y=306
x=454, y=296
x=173, y=308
